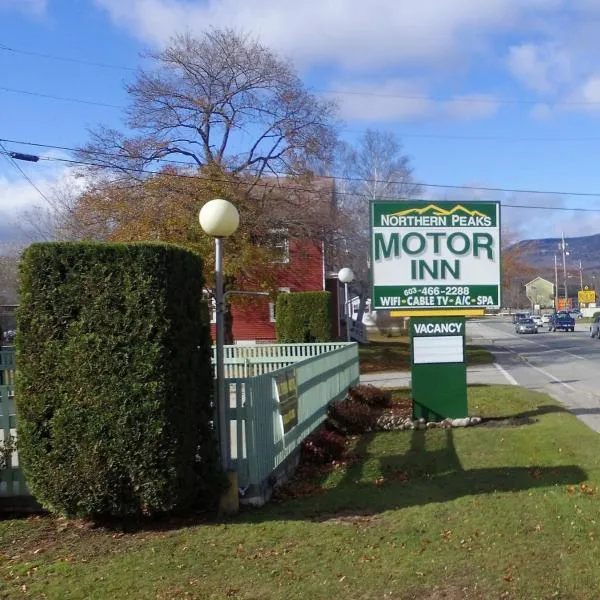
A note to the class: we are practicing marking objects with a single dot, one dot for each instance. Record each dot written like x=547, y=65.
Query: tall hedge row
x=114, y=389
x=304, y=317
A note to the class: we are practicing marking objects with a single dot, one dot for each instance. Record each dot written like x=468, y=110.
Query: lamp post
x=346, y=276
x=220, y=219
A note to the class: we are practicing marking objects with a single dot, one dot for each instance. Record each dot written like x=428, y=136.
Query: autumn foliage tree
x=220, y=115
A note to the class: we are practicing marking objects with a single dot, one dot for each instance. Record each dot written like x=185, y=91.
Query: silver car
x=595, y=328
x=538, y=320
x=526, y=326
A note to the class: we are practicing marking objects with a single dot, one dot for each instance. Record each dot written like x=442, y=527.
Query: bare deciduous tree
x=9, y=277
x=223, y=99
x=376, y=168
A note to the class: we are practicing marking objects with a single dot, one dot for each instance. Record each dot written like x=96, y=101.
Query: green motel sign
x=435, y=256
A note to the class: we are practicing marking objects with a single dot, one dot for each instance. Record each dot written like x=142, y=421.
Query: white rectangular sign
x=439, y=349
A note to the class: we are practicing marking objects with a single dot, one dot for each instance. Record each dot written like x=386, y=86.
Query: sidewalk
x=492, y=374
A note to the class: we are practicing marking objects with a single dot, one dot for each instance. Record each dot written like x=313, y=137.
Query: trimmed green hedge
x=114, y=389
x=304, y=317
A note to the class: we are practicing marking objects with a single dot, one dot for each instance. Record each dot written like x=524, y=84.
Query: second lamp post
x=346, y=276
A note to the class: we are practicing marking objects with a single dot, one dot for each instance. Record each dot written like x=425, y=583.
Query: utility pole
x=564, y=256
x=580, y=275
x=555, y=283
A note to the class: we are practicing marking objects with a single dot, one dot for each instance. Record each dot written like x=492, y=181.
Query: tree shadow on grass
x=415, y=478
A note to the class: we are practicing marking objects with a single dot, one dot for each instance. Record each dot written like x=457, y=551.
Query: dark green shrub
x=114, y=388
x=371, y=395
x=596, y=314
x=304, y=317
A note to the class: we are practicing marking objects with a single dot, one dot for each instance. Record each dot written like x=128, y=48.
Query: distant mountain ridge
x=540, y=253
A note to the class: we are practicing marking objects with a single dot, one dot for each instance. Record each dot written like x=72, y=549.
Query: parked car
x=595, y=328
x=562, y=321
x=538, y=320
x=526, y=326
x=576, y=313
x=545, y=319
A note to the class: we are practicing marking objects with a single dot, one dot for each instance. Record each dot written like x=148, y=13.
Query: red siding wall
x=303, y=273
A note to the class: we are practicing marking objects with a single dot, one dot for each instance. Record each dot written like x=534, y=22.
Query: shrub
x=353, y=417
x=114, y=388
x=371, y=395
x=596, y=314
x=304, y=317
x=323, y=446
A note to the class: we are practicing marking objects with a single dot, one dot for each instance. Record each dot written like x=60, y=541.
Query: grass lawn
x=393, y=354
x=484, y=512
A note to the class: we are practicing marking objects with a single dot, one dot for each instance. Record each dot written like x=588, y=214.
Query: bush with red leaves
x=323, y=446
x=371, y=395
x=353, y=417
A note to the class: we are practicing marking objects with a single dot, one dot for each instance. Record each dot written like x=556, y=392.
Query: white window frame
x=272, y=318
x=284, y=245
x=212, y=307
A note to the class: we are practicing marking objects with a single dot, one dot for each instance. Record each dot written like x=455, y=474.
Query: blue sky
x=494, y=93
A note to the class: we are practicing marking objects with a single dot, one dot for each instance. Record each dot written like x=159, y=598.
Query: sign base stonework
x=438, y=368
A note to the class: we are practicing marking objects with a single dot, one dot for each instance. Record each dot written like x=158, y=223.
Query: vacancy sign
x=438, y=256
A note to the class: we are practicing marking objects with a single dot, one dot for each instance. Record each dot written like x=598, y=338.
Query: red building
x=300, y=265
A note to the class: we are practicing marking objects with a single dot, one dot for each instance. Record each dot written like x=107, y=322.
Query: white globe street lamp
x=220, y=219
x=346, y=276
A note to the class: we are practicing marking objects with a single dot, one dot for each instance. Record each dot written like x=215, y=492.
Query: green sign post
x=436, y=263
x=438, y=368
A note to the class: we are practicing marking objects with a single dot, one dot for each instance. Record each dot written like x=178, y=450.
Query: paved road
x=562, y=364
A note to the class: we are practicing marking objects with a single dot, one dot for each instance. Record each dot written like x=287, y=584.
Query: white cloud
x=525, y=215
x=542, y=111
x=395, y=99
x=380, y=33
x=34, y=7
x=471, y=106
x=402, y=99
x=18, y=196
x=544, y=68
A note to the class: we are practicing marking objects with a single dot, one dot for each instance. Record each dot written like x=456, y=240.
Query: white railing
x=250, y=361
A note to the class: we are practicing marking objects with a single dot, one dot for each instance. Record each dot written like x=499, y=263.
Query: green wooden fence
x=258, y=444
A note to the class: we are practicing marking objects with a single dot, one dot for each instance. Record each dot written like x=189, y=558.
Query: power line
x=325, y=92
x=472, y=99
x=383, y=198
x=333, y=177
x=80, y=61
x=61, y=98
x=25, y=176
x=93, y=152
x=434, y=136
x=466, y=99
